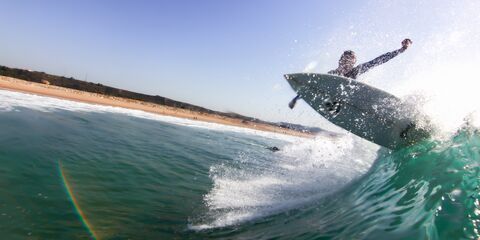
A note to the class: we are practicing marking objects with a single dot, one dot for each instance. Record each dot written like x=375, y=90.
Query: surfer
x=273, y=149
x=347, y=62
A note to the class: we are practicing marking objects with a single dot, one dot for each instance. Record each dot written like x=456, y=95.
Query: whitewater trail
x=302, y=172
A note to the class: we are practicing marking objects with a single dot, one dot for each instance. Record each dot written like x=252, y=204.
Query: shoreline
x=17, y=85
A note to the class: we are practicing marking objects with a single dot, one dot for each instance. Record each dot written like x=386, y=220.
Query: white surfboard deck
x=363, y=110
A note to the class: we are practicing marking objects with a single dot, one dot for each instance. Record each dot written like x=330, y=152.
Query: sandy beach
x=18, y=85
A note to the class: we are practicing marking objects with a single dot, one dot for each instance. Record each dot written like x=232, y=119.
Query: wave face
x=426, y=191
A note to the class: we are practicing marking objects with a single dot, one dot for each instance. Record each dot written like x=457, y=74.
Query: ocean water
x=77, y=171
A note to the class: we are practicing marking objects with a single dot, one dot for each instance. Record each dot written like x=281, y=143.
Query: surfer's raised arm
x=362, y=68
x=347, y=62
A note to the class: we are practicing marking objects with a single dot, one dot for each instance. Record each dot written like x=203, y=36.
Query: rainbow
x=75, y=204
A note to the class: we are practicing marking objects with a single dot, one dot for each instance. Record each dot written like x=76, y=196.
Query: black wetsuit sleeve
x=362, y=68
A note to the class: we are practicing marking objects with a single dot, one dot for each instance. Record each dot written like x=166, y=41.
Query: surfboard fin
x=292, y=103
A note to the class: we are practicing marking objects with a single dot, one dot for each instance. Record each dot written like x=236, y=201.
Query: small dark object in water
x=273, y=149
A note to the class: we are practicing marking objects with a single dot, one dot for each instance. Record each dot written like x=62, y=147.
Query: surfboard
x=363, y=110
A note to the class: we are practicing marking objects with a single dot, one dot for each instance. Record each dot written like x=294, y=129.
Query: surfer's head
x=347, y=60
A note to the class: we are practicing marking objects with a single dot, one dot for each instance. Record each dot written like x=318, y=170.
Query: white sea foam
x=12, y=101
x=302, y=172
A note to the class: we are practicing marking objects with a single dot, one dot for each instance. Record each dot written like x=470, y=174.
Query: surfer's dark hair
x=349, y=53
x=348, y=57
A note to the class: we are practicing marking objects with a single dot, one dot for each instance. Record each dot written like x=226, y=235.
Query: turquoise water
x=78, y=171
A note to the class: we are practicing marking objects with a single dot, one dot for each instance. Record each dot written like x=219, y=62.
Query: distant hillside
x=41, y=77
x=299, y=127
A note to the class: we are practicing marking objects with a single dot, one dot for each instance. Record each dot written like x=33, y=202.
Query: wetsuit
x=362, y=68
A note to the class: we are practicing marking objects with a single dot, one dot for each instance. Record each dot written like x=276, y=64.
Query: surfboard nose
x=293, y=80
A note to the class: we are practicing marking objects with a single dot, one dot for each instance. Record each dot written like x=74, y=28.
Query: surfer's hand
x=405, y=44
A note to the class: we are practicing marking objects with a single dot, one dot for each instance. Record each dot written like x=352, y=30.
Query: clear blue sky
x=223, y=55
